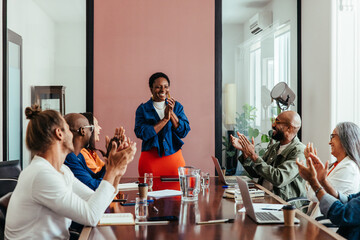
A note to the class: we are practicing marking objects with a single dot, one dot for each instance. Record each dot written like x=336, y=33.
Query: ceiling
x=239, y=11
x=64, y=10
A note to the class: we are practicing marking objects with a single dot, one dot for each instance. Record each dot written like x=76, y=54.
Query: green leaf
x=265, y=138
x=253, y=132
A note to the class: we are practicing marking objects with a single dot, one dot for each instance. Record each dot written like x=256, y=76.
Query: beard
x=278, y=136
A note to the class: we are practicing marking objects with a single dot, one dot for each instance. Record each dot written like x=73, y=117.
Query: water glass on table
x=148, y=178
x=205, y=180
x=141, y=208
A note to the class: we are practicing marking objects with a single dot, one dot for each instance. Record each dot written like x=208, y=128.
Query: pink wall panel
x=135, y=38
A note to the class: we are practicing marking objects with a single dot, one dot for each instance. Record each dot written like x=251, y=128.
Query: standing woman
x=161, y=123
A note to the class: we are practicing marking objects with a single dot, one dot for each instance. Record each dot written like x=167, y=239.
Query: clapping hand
x=235, y=142
x=309, y=149
x=244, y=145
x=320, y=168
x=307, y=172
x=169, y=108
x=120, y=156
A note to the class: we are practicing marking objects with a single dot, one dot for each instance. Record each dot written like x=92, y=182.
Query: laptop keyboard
x=266, y=216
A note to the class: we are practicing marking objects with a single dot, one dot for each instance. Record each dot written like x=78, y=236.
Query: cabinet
x=49, y=97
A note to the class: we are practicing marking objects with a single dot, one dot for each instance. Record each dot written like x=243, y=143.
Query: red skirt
x=150, y=162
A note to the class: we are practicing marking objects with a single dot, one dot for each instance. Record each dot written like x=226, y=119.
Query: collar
x=293, y=143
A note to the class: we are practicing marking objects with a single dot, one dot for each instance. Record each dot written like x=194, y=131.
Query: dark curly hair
x=156, y=76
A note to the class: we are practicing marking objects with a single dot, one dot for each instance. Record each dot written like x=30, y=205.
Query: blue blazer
x=168, y=140
x=81, y=171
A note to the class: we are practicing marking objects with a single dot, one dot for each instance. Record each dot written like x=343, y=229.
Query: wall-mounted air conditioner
x=260, y=21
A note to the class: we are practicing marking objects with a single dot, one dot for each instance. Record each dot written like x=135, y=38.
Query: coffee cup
x=143, y=190
x=289, y=215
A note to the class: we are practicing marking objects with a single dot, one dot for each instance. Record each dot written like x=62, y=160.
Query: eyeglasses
x=332, y=136
x=90, y=126
x=79, y=130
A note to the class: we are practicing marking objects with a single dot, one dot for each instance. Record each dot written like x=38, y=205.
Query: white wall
x=70, y=64
x=38, y=34
x=53, y=54
x=316, y=74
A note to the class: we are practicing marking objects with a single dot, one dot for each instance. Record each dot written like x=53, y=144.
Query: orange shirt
x=92, y=160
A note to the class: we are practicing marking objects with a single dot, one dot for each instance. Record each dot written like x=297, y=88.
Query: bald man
x=277, y=169
x=82, y=130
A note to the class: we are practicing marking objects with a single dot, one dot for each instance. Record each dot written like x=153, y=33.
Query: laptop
x=229, y=180
x=263, y=217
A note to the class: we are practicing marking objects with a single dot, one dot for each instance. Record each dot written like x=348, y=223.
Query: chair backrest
x=10, y=169
x=7, y=185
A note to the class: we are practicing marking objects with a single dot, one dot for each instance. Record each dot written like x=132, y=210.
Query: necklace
x=159, y=108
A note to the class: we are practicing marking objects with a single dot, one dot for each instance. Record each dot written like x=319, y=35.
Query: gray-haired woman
x=344, y=174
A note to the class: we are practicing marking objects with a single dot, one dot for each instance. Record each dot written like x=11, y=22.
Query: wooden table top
x=211, y=205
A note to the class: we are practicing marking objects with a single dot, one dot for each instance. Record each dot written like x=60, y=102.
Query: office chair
x=7, y=185
x=10, y=169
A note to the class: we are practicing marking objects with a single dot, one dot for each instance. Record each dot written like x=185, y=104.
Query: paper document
x=265, y=207
x=127, y=186
x=164, y=193
x=117, y=219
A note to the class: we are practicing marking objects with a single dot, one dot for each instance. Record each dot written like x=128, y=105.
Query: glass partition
x=54, y=40
x=259, y=50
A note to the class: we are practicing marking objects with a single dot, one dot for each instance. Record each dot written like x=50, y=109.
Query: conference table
x=211, y=205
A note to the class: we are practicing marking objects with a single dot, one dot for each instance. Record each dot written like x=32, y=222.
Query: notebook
x=262, y=217
x=117, y=219
x=229, y=180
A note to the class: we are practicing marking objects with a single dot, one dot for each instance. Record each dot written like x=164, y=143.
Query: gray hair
x=349, y=134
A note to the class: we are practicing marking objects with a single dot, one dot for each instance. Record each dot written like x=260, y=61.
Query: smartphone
x=173, y=178
x=121, y=197
x=163, y=218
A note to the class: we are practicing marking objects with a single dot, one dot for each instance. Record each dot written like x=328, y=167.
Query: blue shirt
x=78, y=166
x=344, y=212
x=168, y=140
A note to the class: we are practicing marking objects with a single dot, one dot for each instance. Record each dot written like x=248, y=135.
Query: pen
x=152, y=223
x=271, y=209
x=155, y=209
x=227, y=220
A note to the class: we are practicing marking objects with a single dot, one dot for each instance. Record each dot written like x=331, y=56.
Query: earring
x=152, y=97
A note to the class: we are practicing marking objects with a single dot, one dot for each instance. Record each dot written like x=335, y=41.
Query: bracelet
x=318, y=190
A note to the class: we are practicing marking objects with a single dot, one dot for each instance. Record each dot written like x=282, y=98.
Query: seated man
x=277, y=169
x=82, y=131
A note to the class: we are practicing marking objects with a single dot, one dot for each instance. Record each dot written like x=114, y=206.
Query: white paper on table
x=164, y=193
x=265, y=207
x=127, y=186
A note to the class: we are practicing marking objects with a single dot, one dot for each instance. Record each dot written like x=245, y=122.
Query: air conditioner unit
x=260, y=21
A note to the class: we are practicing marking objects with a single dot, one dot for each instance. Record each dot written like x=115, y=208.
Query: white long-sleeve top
x=345, y=178
x=45, y=201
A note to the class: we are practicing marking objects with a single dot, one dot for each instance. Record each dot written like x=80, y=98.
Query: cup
x=205, y=180
x=143, y=190
x=237, y=195
x=148, y=178
x=289, y=215
x=141, y=208
x=189, y=183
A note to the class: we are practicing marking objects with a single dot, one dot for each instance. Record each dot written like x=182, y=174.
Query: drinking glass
x=205, y=180
x=189, y=183
x=141, y=208
x=148, y=178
